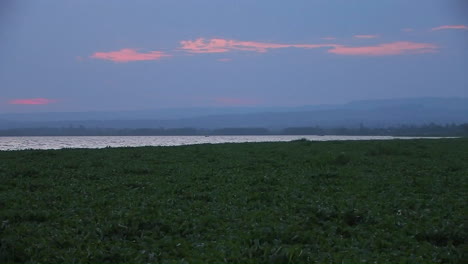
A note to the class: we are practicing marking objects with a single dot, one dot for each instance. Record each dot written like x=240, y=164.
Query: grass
x=399, y=201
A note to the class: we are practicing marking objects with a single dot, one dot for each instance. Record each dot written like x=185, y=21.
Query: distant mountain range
x=371, y=113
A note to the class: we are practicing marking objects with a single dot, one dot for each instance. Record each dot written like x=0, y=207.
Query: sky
x=116, y=55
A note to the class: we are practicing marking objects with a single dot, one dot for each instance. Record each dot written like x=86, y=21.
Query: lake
x=19, y=143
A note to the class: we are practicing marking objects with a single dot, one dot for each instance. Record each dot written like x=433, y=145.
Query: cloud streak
x=462, y=27
x=365, y=36
x=387, y=49
x=219, y=45
x=32, y=101
x=128, y=55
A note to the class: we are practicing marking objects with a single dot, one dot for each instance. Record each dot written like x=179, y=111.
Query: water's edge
x=94, y=142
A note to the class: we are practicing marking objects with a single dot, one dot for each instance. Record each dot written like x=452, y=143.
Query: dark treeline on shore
x=403, y=130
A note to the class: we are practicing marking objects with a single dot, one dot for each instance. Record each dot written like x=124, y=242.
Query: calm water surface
x=18, y=143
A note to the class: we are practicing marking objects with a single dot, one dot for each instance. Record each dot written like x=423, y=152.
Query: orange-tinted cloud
x=127, y=55
x=225, y=45
x=395, y=48
x=32, y=101
x=235, y=101
x=463, y=27
x=365, y=36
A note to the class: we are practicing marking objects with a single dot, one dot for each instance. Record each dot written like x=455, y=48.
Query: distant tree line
x=403, y=130
x=83, y=131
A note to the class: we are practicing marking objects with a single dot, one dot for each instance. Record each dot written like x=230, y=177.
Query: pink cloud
x=224, y=59
x=32, y=101
x=463, y=27
x=225, y=45
x=395, y=48
x=365, y=36
x=235, y=101
x=127, y=55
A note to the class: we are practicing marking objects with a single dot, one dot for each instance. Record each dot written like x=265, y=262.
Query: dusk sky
x=98, y=55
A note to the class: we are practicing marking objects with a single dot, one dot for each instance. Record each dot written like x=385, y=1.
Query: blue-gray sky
x=87, y=55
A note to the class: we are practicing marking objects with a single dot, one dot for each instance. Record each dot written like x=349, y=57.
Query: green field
x=399, y=201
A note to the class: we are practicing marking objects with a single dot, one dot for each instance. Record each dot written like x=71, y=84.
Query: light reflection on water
x=18, y=143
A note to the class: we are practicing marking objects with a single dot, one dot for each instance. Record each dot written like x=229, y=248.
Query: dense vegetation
x=448, y=130
x=400, y=201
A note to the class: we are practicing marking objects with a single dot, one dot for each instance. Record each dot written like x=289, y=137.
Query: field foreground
x=298, y=202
